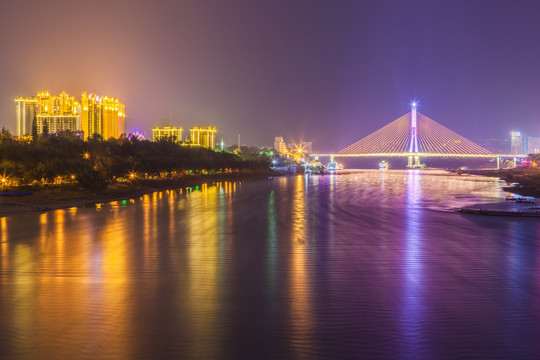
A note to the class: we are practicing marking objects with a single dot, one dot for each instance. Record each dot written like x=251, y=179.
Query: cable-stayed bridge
x=416, y=136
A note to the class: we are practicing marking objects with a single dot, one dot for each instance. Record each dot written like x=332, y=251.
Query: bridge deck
x=422, y=155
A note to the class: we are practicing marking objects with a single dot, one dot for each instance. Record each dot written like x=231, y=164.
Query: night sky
x=330, y=72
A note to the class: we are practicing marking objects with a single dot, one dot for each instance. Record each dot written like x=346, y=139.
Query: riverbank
x=63, y=197
x=527, y=180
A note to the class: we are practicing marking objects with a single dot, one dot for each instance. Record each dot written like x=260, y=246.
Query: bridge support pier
x=498, y=162
x=413, y=162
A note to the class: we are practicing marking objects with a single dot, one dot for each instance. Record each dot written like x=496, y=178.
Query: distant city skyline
x=325, y=72
x=93, y=114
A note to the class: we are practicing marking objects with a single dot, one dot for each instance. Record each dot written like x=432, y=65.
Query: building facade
x=90, y=114
x=516, y=143
x=26, y=113
x=279, y=145
x=533, y=145
x=203, y=136
x=167, y=132
x=104, y=116
x=56, y=113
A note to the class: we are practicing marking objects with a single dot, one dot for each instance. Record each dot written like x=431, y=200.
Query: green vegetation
x=67, y=161
x=527, y=181
x=526, y=178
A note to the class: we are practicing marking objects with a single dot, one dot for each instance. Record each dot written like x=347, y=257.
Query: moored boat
x=520, y=198
x=499, y=212
x=14, y=193
x=334, y=166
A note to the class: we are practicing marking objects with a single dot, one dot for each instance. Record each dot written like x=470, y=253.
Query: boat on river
x=499, y=212
x=334, y=166
x=521, y=199
x=14, y=193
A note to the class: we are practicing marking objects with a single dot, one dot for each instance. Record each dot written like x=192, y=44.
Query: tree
x=5, y=134
x=45, y=128
x=34, y=128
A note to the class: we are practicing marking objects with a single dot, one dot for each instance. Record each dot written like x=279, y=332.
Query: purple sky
x=329, y=72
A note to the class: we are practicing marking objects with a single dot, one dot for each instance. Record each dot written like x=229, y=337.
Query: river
x=359, y=265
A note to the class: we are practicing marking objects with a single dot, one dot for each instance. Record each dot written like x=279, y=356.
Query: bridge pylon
x=414, y=134
x=414, y=162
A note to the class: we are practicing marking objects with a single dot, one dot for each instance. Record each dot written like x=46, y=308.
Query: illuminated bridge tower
x=413, y=145
x=414, y=136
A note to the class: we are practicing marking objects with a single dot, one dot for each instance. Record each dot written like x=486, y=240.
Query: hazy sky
x=326, y=71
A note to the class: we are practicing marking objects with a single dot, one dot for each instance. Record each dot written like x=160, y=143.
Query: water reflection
x=413, y=297
x=4, y=241
x=24, y=297
x=362, y=265
x=301, y=321
x=203, y=277
x=520, y=281
x=271, y=259
x=116, y=284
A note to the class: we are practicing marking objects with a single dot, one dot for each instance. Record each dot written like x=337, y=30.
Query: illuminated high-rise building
x=56, y=105
x=533, y=145
x=167, y=132
x=94, y=115
x=26, y=112
x=90, y=114
x=113, y=122
x=104, y=116
x=57, y=113
x=280, y=146
x=204, y=136
x=516, y=144
x=52, y=113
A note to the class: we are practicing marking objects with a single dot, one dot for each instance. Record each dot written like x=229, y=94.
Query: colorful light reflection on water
x=370, y=264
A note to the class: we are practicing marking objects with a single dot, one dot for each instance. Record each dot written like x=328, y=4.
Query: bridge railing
x=423, y=155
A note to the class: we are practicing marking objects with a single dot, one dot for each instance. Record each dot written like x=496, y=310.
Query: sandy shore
x=62, y=198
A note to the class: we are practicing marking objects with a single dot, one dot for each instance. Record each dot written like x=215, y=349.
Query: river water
x=365, y=264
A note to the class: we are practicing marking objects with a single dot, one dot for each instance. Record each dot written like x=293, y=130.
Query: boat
x=14, y=193
x=521, y=199
x=383, y=165
x=314, y=168
x=334, y=166
x=499, y=212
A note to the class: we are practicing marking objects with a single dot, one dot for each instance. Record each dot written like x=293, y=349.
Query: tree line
x=49, y=159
